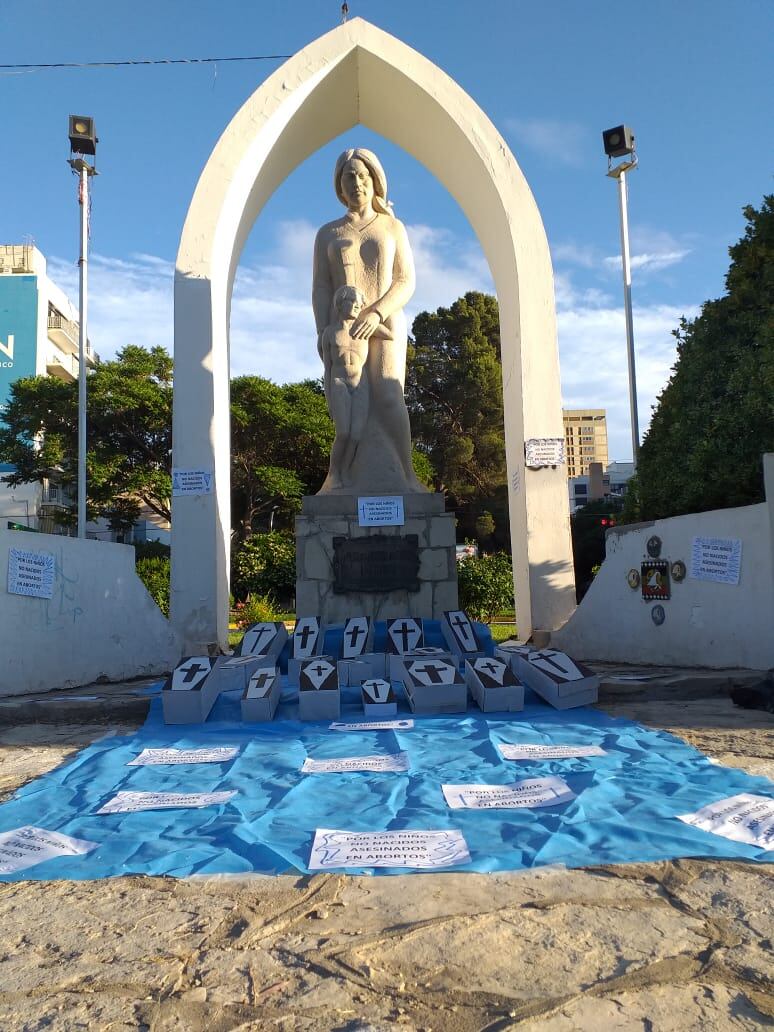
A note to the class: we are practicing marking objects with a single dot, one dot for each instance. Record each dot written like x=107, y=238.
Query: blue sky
x=692, y=78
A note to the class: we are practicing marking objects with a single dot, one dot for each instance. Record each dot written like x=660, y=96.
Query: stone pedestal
x=327, y=517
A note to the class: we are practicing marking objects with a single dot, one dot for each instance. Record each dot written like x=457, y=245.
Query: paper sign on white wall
x=530, y=792
x=743, y=818
x=420, y=849
x=27, y=846
x=192, y=481
x=381, y=511
x=716, y=559
x=30, y=573
x=544, y=451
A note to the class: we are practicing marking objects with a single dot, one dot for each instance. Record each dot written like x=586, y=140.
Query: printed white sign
x=192, y=481
x=392, y=762
x=374, y=725
x=548, y=752
x=744, y=818
x=544, y=451
x=30, y=573
x=387, y=849
x=27, y=846
x=530, y=792
x=152, y=757
x=716, y=559
x=381, y=511
x=131, y=802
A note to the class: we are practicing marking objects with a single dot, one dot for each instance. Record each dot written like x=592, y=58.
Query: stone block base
x=324, y=517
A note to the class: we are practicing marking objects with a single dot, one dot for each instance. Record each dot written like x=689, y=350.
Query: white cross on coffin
x=556, y=664
x=428, y=650
x=191, y=673
x=462, y=629
x=493, y=670
x=318, y=672
x=405, y=635
x=355, y=636
x=305, y=637
x=258, y=638
x=260, y=683
x=377, y=689
x=432, y=671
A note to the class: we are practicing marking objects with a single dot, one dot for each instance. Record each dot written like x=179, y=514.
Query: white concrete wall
x=100, y=622
x=707, y=624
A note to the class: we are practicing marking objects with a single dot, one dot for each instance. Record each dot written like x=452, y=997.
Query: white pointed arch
x=360, y=74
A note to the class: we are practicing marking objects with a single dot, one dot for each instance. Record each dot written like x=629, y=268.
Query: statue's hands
x=365, y=325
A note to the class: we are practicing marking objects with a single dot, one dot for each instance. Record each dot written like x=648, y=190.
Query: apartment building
x=585, y=436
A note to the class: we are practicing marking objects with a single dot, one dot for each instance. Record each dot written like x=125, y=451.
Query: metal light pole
x=618, y=142
x=82, y=141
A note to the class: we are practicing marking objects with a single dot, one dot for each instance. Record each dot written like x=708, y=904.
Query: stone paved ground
x=667, y=947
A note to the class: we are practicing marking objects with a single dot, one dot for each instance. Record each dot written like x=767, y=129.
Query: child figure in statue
x=346, y=381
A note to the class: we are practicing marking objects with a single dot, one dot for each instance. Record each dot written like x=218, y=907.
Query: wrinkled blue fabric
x=625, y=810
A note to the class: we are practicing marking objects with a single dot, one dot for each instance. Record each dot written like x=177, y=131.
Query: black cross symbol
x=320, y=669
x=464, y=627
x=260, y=679
x=490, y=667
x=259, y=633
x=354, y=634
x=432, y=670
x=404, y=631
x=304, y=634
x=554, y=664
x=191, y=672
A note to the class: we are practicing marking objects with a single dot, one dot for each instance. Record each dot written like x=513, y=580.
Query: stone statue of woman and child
x=363, y=277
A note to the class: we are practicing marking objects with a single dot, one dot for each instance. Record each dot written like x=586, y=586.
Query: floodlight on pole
x=83, y=140
x=618, y=142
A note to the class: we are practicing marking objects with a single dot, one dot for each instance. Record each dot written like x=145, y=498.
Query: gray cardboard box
x=460, y=634
x=358, y=637
x=434, y=685
x=231, y=673
x=353, y=672
x=559, y=680
x=396, y=662
x=261, y=696
x=379, y=700
x=319, y=696
x=306, y=643
x=188, y=696
x=511, y=654
x=493, y=685
x=263, y=641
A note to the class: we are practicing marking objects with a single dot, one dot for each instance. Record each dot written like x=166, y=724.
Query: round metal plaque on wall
x=633, y=579
x=658, y=615
x=679, y=570
x=654, y=546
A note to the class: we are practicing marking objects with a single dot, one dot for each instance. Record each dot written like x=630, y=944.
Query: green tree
x=265, y=566
x=454, y=396
x=281, y=438
x=715, y=417
x=129, y=425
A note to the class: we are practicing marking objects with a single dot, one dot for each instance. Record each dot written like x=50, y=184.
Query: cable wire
x=149, y=61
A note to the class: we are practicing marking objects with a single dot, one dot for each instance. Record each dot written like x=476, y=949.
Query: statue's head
x=378, y=178
x=348, y=302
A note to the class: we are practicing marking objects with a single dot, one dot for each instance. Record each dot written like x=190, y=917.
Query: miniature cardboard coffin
x=306, y=644
x=397, y=663
x=558, y=679
x=263, y=641
x=189, y=694
x=261, y=696
x=358, y=662
x=319, y=696
x=231, y=673
x=512, y=655
x=434, y=686
x=379, y=700
x=494, y=685
x=460, y=634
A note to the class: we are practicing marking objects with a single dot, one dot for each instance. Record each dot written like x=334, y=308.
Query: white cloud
x=648, y=262
x=551, y=138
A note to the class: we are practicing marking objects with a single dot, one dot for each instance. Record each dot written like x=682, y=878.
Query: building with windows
x=598, y=485
x=585, y=438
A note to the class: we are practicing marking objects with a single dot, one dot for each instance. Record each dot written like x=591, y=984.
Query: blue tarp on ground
x=625, y=810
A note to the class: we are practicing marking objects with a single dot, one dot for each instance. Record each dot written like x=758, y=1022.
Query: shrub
x=255, y=609
x=154, y=573
x=265, y=565
x=485, y=585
